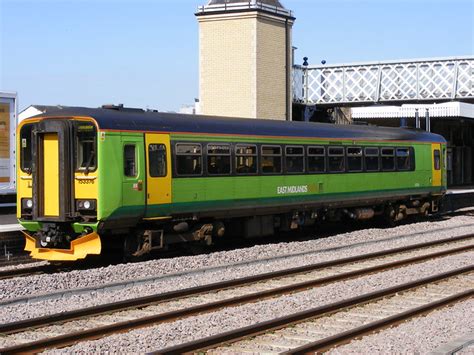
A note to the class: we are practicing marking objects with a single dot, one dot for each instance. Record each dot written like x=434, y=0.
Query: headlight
x=26, y=203
x=85, y=205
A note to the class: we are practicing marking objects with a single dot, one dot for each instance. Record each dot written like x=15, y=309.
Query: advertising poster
x=4, y=142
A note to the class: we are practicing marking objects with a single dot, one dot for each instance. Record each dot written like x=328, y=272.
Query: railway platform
x=458, y=198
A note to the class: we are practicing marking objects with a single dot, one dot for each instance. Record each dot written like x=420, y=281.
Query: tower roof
x=269, y=6
x=275, y=3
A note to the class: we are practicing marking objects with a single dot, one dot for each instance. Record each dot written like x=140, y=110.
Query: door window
x=157, y=160
x=130, y=160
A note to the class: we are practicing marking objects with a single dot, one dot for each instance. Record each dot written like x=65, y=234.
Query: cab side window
x=26, y=153
x=157, y=160
x=129, y=160
x=437, y=159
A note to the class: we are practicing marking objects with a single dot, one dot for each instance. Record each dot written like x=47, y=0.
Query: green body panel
x=118, y=199
x=116, y=190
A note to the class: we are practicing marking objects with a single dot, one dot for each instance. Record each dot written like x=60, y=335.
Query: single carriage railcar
x=90, y=179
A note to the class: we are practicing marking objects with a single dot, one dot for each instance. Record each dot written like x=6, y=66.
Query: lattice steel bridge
x=411, y=81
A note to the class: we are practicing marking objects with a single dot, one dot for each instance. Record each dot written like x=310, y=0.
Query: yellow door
x=51, y=175
x=158, y=157
x=437, y=159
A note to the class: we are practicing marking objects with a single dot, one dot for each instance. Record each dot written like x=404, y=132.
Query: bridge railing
x=424, y=80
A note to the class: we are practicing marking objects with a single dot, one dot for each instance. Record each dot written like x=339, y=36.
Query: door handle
x=138, y=186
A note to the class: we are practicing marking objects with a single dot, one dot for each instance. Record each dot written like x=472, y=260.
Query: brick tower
x=245, y=59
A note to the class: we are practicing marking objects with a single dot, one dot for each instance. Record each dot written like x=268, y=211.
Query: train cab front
x=57, y=189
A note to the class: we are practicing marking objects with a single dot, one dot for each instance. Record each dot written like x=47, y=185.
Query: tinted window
x=218, y=159
x=245, y=159
x=403, y=159
x=372, y=162
x=26, y=148
x=271, y=159
x=157, y=160
x=86, y=156
x=294, y=159
x=354, y=159
x=388, y=159
x=336, y=159
x=316, y=160
x=129, y=164
x=188, y=159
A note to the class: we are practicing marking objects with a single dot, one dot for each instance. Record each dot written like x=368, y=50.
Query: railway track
x=322, y=328
x=27, y=271
x=75, y=326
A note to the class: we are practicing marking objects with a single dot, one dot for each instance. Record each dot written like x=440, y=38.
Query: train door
x=133, y=188
x=51, y=174
x=52, y=171
x=437, y=163
x=158, y=157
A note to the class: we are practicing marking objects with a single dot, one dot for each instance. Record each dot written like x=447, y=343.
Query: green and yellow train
x=90, y=180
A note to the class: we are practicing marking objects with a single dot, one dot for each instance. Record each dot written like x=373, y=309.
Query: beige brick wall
x=242, y=65
x=271, y=69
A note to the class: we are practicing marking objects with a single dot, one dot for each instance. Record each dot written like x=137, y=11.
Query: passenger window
x=218, y=159
x=388, y=159
x=294, y=160
x=26, y=148
x=372, y=162
x=157, y=160
x=316, y=160
x=188, y=159
x=354, y=158
x=403, y=159
x=245, y=159
x=437, y=159
x=271, y=159
x=336, y=159
x=130, y=166
x=86, y=156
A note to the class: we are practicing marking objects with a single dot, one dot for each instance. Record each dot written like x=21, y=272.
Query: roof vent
x=120, y=107
x=113, y=107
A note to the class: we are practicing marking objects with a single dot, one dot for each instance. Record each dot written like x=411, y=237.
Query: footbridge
x=408, y=81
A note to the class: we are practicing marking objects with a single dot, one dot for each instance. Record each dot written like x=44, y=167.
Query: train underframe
x=136, y=240
x=207, y=229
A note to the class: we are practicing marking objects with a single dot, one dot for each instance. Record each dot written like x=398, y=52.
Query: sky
x=144, y=53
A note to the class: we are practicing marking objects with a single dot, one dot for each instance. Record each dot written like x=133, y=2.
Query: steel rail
x=27, y=271
x=347, y=336
x=88, y=334
x=192, y=291
x=283, y=322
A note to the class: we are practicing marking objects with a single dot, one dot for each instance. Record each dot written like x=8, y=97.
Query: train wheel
x=132, y=244
x=390, y=215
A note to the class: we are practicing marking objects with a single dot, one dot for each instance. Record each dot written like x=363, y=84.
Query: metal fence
x=384, y=82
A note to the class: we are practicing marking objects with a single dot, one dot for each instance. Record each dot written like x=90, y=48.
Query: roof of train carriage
x=125, y=119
